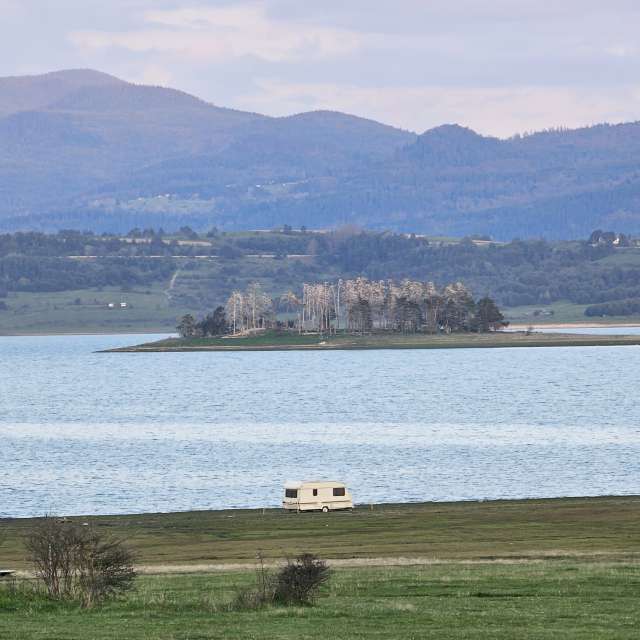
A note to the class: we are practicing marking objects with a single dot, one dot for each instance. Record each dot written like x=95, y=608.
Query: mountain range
x=81, y=148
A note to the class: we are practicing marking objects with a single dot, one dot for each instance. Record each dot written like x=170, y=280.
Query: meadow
x=87, y=311
x=566, y=568
x=494, y=530
x=541, y=600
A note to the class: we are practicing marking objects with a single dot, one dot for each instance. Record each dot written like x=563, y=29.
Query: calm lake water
x=83, y=432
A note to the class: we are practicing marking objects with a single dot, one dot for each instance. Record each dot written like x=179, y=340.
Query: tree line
x=602, y=268
x=356, y=306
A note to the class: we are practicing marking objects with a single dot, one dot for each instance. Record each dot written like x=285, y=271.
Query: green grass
x=547, y=600
x=272, y=340
x=539, y=569
x=59, y=312
x=605, y=528
x=623, y=256
x=562, y=312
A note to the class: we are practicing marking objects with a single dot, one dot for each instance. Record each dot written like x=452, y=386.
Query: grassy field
x=561, y=312
x=87, y=311
x=486, y=601
x=271, y=340
x=605, y=528
x=543, y=569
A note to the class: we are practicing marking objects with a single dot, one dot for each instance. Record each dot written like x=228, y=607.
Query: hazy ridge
x=83, y=149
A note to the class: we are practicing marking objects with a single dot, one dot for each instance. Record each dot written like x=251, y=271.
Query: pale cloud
x=622, y=50
x=214, y=34
x=155, y=75
x=499, y=66
x=494, y=111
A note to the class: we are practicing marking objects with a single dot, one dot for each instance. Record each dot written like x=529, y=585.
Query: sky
x=498, y=66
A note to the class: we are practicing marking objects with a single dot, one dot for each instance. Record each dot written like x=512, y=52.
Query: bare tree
x=319, y=305
x=249, y=310
x=292, y=303
x=77, y=562
x=234, y=310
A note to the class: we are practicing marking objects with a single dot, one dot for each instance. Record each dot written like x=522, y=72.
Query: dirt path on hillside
x=172, y=284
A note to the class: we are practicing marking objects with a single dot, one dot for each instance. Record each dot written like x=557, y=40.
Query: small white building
x=316, y=495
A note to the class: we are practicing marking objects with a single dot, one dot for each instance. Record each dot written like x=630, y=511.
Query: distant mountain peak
x=76, y=77
x=28, y=93
x=452, y=144
x=452, y=132
x=81, y=76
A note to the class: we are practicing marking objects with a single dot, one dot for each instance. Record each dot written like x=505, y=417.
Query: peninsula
x=287, y=341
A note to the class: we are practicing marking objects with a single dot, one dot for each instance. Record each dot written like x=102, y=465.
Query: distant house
x=610, y=238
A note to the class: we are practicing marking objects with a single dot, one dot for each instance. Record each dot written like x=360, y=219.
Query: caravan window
x=338, y=491
x=291, y=493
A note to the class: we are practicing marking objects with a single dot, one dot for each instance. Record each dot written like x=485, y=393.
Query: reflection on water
x=83, y=432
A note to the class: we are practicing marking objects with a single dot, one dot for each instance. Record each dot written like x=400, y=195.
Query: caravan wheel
x=325, y=509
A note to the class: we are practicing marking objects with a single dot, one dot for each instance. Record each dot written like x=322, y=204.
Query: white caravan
x=316, y=496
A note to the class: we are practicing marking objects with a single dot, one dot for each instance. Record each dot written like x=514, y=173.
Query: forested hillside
x=162, y=276
x=81, y=149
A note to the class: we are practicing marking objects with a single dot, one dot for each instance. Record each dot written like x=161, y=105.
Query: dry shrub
x=297, y=583
x=77, y=562
x=258, y=595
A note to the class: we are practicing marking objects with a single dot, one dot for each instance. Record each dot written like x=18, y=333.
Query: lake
x=84, y=432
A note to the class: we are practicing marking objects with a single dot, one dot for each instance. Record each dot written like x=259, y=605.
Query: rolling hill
x=81, y=148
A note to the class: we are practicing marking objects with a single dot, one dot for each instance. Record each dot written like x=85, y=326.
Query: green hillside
x=66, y=281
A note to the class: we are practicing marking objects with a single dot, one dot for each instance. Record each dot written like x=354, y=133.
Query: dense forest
x=204, y=269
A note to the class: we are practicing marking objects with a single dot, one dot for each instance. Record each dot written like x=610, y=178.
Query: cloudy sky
x=498, y=66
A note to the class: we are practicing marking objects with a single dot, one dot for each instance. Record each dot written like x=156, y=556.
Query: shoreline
x=578, y=528
x=572, y=325
x=358, y=506
x=307, y=342
x=519, y=326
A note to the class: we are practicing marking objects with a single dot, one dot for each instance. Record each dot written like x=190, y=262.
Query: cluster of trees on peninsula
x=356, y=306
x=409, y=306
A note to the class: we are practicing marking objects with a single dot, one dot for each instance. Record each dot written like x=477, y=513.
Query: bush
x=299, y=581
x=77, y=562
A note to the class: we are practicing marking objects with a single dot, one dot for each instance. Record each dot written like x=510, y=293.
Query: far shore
x=45, y=334
x=571, y=325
